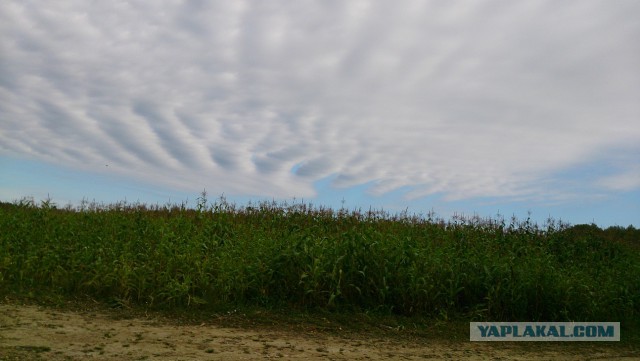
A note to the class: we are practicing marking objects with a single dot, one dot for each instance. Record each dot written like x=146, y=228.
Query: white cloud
x=465, y=100
x=627, y=180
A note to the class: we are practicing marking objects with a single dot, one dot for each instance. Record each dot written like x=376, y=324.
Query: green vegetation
x=303, y=257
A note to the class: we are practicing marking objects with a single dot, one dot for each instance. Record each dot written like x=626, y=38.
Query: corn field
x=280, y=255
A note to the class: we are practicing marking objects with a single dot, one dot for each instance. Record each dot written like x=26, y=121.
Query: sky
x=453, y=107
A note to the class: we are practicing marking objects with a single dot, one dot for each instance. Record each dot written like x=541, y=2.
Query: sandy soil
x=36, y=333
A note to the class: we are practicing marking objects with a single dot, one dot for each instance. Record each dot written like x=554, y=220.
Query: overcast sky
x=483, y=105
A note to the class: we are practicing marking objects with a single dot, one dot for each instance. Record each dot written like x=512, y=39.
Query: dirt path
x=37, y=333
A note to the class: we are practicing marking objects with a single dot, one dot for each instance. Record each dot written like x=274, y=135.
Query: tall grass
x=296, y=255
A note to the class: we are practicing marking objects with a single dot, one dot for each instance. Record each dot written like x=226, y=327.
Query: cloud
x=623, y=182
x=267, y=98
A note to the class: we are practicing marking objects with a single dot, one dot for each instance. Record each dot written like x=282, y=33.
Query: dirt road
x=30, y=332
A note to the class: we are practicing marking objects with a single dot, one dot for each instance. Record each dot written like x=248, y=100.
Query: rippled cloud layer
x=463, y=99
